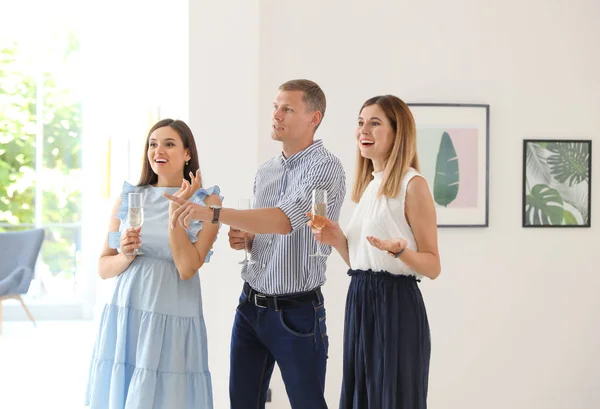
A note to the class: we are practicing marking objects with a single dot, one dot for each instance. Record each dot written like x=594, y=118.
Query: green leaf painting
x=569, y=162
x=536, y=162
x=569, y=217
x=446, y=181
x=557, y=177
x=544, y=206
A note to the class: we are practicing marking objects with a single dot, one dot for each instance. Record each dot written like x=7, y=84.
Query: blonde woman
x=390, y=244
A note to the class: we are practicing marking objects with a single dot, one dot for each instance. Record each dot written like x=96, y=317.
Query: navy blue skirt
x=386, y=343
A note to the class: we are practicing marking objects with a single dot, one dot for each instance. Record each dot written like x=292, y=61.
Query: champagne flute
x=245, y=204
x=136, y=215
x=319, y=215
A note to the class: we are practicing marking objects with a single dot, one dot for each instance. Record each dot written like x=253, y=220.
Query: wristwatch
x=216, y=212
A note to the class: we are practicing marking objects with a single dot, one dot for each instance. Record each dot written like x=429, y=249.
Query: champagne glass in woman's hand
x=136, y=215
x=331, y=234
x=319, y=215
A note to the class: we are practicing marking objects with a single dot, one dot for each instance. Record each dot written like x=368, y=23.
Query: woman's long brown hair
x=148, y=176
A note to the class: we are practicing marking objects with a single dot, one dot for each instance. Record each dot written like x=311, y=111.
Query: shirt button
x=264, y=265
x=281, y=194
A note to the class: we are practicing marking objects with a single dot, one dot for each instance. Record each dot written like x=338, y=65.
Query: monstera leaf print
x=543, y=206
x=537, y=162
x=445, y=183
x=562, y=166
x=577, y=197
x=570, y=219
x=569, y=162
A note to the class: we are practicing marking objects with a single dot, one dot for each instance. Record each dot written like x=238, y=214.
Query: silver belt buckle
x=256, y=297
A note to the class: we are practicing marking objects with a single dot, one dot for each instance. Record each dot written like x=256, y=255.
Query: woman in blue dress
x=151, y=350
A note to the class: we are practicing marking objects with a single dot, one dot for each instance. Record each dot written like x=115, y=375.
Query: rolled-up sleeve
x=327, y=175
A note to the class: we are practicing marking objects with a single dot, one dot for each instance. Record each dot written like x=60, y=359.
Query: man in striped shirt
x=281, y=316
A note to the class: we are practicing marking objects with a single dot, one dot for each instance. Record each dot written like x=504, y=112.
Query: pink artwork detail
x=465, y=144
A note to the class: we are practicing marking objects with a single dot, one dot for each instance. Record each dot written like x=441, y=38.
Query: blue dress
x=151, y=349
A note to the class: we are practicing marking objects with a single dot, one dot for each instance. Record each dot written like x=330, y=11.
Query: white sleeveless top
x=382, y=217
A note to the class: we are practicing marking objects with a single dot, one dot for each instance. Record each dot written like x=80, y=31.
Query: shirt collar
x=297, y=157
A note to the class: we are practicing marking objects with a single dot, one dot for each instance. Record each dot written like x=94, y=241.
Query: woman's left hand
x=391, y=246
x=188, y=189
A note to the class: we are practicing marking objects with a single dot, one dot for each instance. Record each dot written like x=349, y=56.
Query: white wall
x=223, y=95
x=514, y=321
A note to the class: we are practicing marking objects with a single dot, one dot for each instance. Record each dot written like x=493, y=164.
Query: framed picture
x=453, y=148
x=557, y=180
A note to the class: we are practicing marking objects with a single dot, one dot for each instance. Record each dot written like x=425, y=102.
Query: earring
x=186, y=163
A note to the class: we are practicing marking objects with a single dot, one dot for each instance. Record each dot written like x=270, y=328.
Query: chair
x=18, y=255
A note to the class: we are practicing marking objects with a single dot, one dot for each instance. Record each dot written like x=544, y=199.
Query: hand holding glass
x=245, y=204
x=319, y=215
x=136, y=215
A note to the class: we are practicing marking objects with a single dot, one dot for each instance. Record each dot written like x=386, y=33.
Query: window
x=40, y=142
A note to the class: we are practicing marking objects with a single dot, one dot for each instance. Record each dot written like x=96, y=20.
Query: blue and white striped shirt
x=283, y=265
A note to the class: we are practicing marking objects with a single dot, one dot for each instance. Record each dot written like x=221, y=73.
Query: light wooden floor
x=45, y=367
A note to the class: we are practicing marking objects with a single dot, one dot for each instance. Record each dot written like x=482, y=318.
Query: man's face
x=292, y=121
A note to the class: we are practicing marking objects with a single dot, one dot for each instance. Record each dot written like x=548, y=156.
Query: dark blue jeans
x=295, y=338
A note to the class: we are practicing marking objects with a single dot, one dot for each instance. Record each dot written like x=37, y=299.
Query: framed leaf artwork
x=557, y=183
x=453, y=149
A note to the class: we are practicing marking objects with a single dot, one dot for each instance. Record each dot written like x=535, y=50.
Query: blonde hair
x=402, y=155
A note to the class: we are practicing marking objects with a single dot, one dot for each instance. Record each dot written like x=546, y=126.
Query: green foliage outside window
x=21, y=88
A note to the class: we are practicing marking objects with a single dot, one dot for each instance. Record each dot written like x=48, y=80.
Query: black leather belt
x=278, y=302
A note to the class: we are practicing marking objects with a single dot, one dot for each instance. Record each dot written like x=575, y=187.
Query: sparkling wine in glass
x=136, y=215
x=245, y=204
x=319, y=215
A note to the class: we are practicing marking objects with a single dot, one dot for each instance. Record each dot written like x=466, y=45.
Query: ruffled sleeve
x=196, y=225
x=114, y=237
